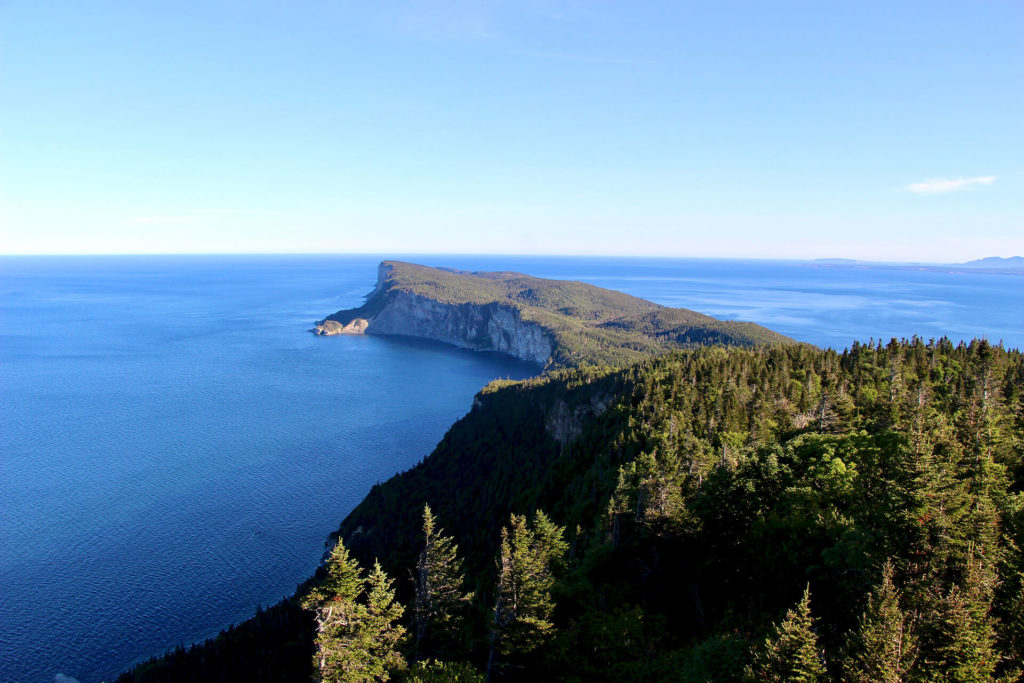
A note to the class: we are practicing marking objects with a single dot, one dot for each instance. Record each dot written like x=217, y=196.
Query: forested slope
x=781, y=513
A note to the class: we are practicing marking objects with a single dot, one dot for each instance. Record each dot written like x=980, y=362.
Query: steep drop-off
x=550, y=322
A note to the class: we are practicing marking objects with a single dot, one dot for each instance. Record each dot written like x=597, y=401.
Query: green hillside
x=588, y=325
x=780, y=513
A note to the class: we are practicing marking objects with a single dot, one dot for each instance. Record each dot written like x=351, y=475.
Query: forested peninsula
x=555, y=323
x=756, y=512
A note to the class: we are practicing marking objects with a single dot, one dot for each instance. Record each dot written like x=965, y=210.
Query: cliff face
x=481, y=327
x=487, y=327
x=554, y=323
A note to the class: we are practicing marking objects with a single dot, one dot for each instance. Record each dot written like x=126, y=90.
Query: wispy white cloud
x=943, y=185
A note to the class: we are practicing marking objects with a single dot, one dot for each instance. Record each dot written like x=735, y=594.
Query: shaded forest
x=775, y=514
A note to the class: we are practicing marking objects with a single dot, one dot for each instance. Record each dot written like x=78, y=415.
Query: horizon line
x=823, y=260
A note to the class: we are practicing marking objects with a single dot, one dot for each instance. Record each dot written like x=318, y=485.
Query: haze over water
x=175, y=446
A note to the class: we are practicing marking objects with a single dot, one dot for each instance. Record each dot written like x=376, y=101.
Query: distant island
x=551, y=322
x=997, y=265
x=996, y=262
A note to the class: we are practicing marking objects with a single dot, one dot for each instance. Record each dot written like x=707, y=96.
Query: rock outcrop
x=327, y=328
x=481, y=327
x=564, y=424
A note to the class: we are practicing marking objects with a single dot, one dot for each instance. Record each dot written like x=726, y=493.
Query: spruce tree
x=337, y=614
x=356, y=633
x=380, y=627
x=964, y=631
x=439, y=601
x=523, y=606
x=1009, y=604
x=649, y=489
x=790, y=653
x=883, y=648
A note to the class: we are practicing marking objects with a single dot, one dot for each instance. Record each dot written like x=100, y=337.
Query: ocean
x=175, y=446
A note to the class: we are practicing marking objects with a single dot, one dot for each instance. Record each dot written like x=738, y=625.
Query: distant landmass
x=1013, y=265
x=552, y=322
x=996, y=262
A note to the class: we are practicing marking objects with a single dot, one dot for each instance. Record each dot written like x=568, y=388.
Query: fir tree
x=964, y=631
x=439, y=601
x=337, y=613
x=649, y=489
x=791, y=654
x=523, y=603
x=356, y=640
x=1009, y=603
x=884, y=647
x=380, y=627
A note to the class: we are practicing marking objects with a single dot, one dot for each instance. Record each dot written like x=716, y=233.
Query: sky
x=890, y=131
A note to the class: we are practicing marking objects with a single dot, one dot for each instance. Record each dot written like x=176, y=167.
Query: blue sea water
x=175, y=445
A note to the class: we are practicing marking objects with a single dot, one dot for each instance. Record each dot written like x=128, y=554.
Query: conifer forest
x=717, y=514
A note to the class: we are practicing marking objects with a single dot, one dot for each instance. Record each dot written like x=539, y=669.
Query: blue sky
x=878, y=130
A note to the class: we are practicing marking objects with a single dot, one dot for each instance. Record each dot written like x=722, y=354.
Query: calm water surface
x=175, y=446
